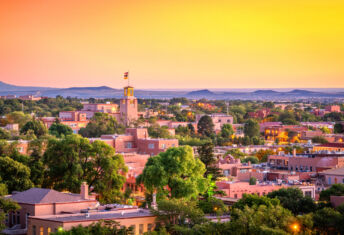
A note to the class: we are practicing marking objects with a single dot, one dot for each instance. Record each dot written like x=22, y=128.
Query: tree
x=261, y=219
x=6, y=205
x=104, y=227
x=157, y=131
x=18, y=117
x=205, y=126
x=328, y=221
x=253, y=181
x=334, y=190
x=36, y=126
x=255, y=200
x=227, y=131
x=252, y=159
x=212, y=205
x=206, y=155
x=58, y=129
x=37, y=167
x=338, y=128
x=101, y=124
x=4, y=134
x=15, y=175
x=251, y=128
x=319, y=139
x=262, y=154
x=175, y=172
x=236, y=153
x=176, y=213
x=293, y=200
x=79, y=161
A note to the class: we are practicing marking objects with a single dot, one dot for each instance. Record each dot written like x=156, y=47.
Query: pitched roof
x=334, y=171
x=42, y=195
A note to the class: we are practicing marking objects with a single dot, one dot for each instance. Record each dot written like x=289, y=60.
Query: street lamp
x=295, y=227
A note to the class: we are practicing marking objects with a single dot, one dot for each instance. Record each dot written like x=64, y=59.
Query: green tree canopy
x=177, y=213
x=58, y=129
x=251, y=128
x=157, y=131
x=79, y=161
x=261, y=219
x=101, y=124
x=227, y=131
x=14, y=174
x=206, y=155
x=293, y=200
x=255, y=200
x=176, y=169
x=36, y=126
x=6, y=205
x=334, y=190
x=205, y=126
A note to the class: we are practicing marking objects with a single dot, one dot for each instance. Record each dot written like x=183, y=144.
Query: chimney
x=84, y=191
x=154, y=204
x=294, y=152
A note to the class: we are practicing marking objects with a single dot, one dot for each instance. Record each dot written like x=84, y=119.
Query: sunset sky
x=173, y=43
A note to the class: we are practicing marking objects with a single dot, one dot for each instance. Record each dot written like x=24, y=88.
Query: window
x=48, y=230
x=18, y=217
x=308, y=193
x=150, y=227
x=235, y=195
x=141, y=229
x=34, y=230
x=329, y=180
x=41, y=231
x=163, y=146
x=228, y=120
x=151, y=146
x=129, y=145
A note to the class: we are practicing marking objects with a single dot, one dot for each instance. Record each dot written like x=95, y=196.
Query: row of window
x=301, y=168
x=41, y=230
x=141, y=228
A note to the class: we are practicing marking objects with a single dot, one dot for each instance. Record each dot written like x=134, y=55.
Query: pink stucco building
x=45, y=210
x=237, y=189
x=136, y=140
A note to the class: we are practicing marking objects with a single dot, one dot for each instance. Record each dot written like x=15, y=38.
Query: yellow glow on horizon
x=173, y=44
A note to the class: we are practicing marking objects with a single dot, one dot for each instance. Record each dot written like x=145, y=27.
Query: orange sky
x=173, y=43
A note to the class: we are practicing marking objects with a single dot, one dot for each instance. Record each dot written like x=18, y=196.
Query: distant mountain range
x=108, y=92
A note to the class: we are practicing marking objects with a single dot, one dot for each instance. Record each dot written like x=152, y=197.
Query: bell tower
x=128, y=106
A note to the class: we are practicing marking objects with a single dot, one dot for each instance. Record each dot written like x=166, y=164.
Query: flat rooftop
x=101, y=215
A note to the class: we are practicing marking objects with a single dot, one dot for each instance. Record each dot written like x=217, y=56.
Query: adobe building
x=127, y=112
x=137, y=140
x=45, y=210
x=238, y=189
x=332, y=176
x=41, y=202
x=140, y=220
x=311, y=162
